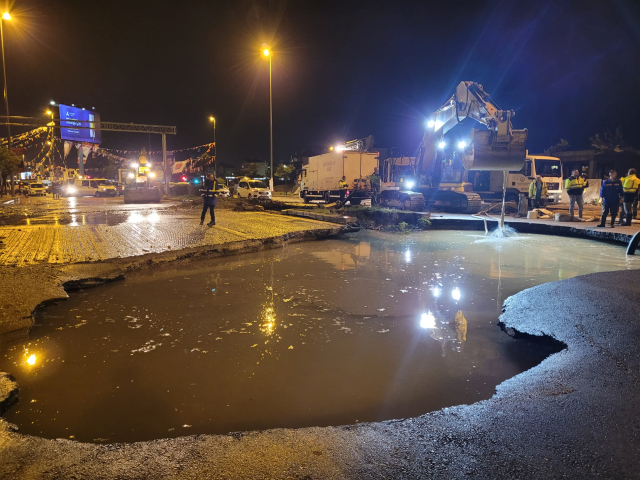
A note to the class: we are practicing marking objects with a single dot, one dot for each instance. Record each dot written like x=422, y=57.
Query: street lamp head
x=48, y=112
x=266, y=52
x=6, y=16
x=52, y=102
x=212, y=119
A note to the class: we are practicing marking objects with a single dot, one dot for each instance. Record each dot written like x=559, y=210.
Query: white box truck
x=320, y=178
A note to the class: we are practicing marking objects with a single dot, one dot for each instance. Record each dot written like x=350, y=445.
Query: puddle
x=366, y=328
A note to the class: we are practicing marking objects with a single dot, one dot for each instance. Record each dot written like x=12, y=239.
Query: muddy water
x=366, y=328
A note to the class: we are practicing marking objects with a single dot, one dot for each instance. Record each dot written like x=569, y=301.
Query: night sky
x=341, y=69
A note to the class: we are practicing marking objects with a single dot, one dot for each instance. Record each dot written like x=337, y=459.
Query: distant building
x=597, y=165
x=227, y=170
x=262, y=168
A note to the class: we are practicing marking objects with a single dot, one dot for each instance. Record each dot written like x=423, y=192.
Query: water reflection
x=321, y=333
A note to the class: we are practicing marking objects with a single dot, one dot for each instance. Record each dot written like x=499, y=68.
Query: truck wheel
x=97, y=194
x=511, y=197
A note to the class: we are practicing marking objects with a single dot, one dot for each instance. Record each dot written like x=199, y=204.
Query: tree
x=561, y=146
x=203, y=161
x=249, y=170
x=609, y=142
x=285, y=171
x=9, y=165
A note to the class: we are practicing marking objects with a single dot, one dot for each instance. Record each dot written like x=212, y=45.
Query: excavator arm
x=500, y=147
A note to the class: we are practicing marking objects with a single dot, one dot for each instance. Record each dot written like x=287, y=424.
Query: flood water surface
x=365, y=328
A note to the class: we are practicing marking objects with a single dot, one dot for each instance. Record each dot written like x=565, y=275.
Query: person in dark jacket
x=610, y=192
x=209, y=199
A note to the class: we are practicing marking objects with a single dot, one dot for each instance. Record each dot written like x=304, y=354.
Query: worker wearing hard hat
x=538, y=192
x=575, y=185
x=630, y=186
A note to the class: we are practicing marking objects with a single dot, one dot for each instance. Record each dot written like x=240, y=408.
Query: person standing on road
x=538, y=192
x=610, y=192
x=575, y=185
x=209, y=200
x=630, y=186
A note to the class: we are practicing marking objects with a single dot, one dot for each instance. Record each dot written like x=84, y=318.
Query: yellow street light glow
x=6, y=16
x=266, y=52
x=212, y=119
x=48, y=112
x=32, y=358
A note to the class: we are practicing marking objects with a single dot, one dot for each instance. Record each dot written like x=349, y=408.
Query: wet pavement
x=100, y=236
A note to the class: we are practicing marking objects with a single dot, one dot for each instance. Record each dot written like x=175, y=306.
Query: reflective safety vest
x=342, y=184
x=574, y=182
x=630, y=184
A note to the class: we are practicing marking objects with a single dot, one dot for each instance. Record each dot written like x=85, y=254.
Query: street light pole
x=5, y=16
x=267, y=53
x=215, y=148
x=270, y=124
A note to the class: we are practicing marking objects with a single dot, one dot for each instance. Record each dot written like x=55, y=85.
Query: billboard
x=72, y=118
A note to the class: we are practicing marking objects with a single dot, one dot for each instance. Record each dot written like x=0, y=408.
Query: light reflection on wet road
x=341, y=331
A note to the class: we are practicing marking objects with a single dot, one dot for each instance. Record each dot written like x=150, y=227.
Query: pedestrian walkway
x=138, y=235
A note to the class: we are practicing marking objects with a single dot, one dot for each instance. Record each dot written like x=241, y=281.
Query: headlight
x=71, y=189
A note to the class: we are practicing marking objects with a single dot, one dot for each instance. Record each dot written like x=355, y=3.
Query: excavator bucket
x=497, y=152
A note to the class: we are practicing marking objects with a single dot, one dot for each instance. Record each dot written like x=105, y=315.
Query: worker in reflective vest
x=630, y=186
x=575, y=185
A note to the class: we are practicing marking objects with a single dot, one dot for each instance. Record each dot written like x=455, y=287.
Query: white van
x=248, y=188
x=96, y=187
x=36, y=188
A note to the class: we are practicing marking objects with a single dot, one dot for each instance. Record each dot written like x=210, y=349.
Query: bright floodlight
x=131, y=175
x=455, y=293
x=410, y=185
x=339, y=148
x=462, y=144
x=152, y=175
x=436, y=292
x=32, y=358
x=431, y=124
x=134, y=165
x=6, y=16
x=441, y=145
x=427, y=320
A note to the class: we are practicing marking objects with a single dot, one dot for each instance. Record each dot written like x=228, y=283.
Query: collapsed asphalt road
x=574, y=415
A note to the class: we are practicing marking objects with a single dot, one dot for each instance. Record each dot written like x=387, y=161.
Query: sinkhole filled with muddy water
x=364, y=328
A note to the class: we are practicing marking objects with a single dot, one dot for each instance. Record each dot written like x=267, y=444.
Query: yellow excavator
x=439, y=168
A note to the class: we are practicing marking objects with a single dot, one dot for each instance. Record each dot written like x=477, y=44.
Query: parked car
x=97, y=187
x=253, y=189
x=47, y=185
x=223, y=191
x=118, y=186
x=36, y=189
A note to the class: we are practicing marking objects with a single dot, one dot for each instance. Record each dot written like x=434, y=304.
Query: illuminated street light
x=5, y=17
x=49, y=112
x=267, y=53
x=52, y=102
x=431, y=124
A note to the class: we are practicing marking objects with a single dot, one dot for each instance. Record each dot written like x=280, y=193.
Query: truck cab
x=488, y=184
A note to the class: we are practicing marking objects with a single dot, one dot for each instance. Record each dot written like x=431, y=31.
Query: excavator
x=439, y=169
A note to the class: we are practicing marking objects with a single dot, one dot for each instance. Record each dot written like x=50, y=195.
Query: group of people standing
x=612, y=191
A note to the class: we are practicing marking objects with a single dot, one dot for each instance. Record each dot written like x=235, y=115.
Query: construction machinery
x=439, y=170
